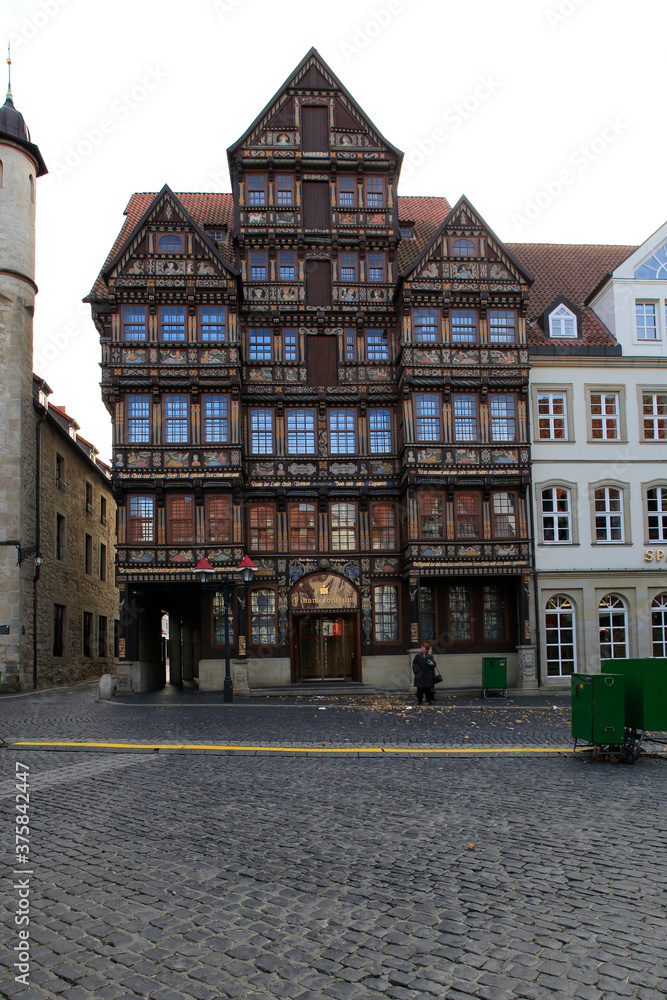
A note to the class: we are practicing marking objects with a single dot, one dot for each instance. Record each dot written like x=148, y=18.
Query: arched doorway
x=324, y=609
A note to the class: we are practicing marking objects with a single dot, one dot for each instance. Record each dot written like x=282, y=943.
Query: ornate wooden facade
x=285, y=383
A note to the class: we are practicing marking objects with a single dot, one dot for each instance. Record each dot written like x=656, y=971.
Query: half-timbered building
x=332, y=380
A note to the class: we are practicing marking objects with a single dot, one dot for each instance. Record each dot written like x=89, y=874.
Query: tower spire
x=9, y=72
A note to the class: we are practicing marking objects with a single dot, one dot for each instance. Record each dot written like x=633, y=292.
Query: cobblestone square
x=304, y=875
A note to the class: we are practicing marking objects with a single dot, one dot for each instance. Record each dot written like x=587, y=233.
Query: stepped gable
x=206, y=209
x=573, y=271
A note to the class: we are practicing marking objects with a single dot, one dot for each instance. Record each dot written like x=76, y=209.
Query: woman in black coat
x=423, y=667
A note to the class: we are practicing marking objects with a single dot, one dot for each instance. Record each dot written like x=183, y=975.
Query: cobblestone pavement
x=170, y=876
x=175, y=717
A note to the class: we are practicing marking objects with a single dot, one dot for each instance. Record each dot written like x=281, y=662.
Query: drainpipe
x=531, y=507
x=38, y=533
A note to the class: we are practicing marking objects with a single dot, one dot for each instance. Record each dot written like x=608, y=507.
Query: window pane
x=175, y=419
x=385, y=606
x=377, y=345
x=501, y=326
x=259, y=344
x=465, y=417
x=173, y=322
x=464, y=326
x=427, y=417
x=261, y=432
x=215, y=419
x=134, y=322
x=263, y=617
x=300, y=432
x=342, y=437
x=212, y=322
x=460, y=618
x=379, y=431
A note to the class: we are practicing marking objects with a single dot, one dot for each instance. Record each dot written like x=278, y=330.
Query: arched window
x=612, y=616
x=559, y=623
x=556, y=514
x=659, y=624
x=656, y=503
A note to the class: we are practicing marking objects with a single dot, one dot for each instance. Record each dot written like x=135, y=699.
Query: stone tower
x=21, y=164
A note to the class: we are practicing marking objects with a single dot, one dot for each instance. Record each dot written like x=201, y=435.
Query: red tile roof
x=428, y=214
x=570, y=270
x=559, y=269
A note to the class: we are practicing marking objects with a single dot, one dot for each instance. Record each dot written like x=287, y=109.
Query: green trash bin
x=494, y=675
x=645, y=691
x=598, y=709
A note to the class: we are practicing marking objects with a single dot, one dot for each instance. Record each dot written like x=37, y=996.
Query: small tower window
x=31, y=181
x=2, y=181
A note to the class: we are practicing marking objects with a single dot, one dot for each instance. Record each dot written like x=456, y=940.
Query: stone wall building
x=58, y=600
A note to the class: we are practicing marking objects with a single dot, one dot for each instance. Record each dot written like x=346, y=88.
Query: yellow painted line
x=218, y=746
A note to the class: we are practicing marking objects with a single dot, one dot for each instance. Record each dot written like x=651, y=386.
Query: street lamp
x=206, y=573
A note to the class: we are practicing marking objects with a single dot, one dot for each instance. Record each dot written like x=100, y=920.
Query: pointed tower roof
x=14, y=128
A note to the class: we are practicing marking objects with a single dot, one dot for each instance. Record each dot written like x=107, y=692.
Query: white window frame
x=654, y=417
x=551, y=417
x=560, y=518
x=558, y=320
x=659, y=514
x=642, y=304
x=605, y=516
x=610, y=616
x=607, y=417
x=560, y=605
x=659, y=608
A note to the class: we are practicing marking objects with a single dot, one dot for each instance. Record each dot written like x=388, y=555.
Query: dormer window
x=170, y=243
x=655, y=266
x=562, y=323
x=218, y=235
x=407, y=230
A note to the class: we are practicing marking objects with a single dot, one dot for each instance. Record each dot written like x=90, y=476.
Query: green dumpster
x=494, y=674
x=598, y=708
x=645, y=691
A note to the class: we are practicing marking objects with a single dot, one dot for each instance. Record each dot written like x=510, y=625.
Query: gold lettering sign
x=323, y=592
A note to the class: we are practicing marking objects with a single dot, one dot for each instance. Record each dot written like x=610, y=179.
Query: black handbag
x=437, y=678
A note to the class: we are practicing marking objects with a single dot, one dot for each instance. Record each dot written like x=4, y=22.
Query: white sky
x=493, y=100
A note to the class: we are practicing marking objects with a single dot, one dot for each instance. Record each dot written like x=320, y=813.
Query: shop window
x=263, y=617
x=219, y=606
x=386, y=613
